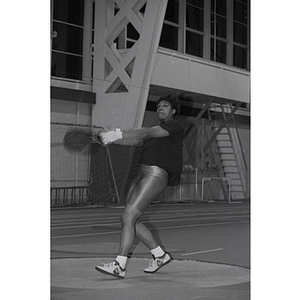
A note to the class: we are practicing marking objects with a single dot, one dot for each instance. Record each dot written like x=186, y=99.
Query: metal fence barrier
x=68, y=196
x=188, y=189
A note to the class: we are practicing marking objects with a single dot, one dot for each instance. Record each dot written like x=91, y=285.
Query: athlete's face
x=165, y=111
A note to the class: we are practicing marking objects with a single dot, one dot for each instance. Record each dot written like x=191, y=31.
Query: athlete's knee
x=130, y=215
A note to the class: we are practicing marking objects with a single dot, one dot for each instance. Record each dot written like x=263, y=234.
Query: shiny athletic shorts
x=149, y=183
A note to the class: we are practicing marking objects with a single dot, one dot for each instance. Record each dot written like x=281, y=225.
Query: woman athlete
x=160, y=166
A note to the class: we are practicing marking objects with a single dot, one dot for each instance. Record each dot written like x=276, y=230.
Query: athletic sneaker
x=113, y=269
x=156, y=263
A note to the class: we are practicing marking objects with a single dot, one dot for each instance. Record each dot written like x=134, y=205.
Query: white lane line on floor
x=68, y=226
x=145, y=218
x=159, y=228
x=200, y=252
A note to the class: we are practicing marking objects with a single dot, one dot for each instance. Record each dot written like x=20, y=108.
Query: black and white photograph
x=150, y=149
x=142, y=170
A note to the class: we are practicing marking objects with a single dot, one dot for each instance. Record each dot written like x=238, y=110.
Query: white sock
x=122, y=261
x=157, y=252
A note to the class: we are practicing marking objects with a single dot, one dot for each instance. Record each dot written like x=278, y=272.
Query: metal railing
x=69, y=196
x=188, y=189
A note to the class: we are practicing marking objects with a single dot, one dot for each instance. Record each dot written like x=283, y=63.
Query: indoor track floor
x=209, y=243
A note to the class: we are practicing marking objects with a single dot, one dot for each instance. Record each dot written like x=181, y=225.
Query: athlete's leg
x=145, y=235
x=129, y=217
x=149, y=184
x=152, y=182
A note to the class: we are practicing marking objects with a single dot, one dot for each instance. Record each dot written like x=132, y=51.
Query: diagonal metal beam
x=210, y=141
x=118, y=69
x=199, y=116
x=119, y=66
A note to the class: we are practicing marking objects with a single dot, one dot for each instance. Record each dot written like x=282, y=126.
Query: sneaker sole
x=107, y=273
x=168, y=261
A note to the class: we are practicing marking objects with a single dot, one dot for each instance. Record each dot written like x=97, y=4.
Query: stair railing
x=239, y=152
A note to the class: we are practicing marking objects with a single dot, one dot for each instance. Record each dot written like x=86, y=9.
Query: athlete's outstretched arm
x=145, y=133
x=134, y=137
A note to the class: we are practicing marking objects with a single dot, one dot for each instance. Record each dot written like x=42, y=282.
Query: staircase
x=229, y=163
x=230, y=152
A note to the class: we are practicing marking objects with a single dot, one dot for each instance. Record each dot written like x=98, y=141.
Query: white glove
x=111, y=136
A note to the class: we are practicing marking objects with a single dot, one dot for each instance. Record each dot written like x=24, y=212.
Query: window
x=194, y=27
x=194, y=15
x=215, y=30
x=240, y=57
x=218, y=50
x=194, y=44
x=169, y=36
x=218, y=30
x=67, y=41
x=71, y=49
x=172, y=12
x=240, y=34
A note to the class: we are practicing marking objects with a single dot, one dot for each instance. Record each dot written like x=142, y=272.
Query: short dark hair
x=173, y=100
